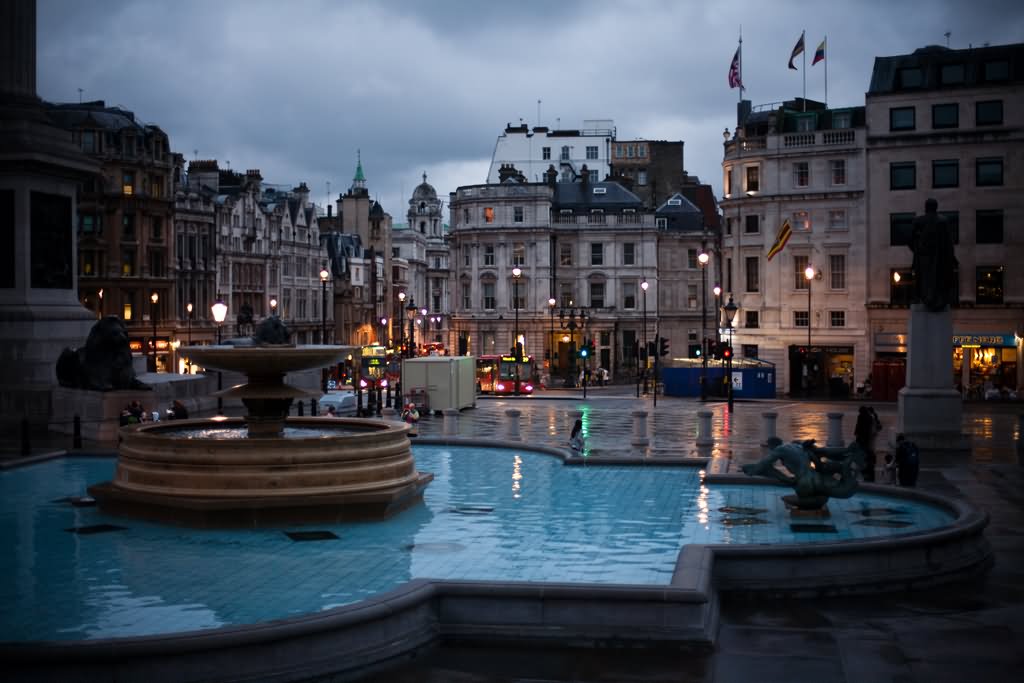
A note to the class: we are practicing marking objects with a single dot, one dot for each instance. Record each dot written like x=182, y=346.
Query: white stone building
x=532, y=151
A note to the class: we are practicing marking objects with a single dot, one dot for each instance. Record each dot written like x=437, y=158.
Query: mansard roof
x=606, y=195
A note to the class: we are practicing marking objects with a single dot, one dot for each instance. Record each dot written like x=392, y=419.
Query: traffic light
x=695, y=351
x=585, y=348
x=727, y=352
x=662, y=346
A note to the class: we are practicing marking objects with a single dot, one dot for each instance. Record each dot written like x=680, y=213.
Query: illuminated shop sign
x=978, y=340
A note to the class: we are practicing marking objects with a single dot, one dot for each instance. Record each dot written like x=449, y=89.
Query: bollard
x=76, y=433
x=380, y=403
x=705, y=441
x=451, y=422
x=513, y=424
x=835, y=430
x=359, y=401
x=26, y=444
x=300, y=408
x=768, y=429
x=312, y=407
x=640, y=439
x=388, y=404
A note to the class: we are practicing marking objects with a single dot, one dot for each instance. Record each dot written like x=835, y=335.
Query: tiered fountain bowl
x=267, y=468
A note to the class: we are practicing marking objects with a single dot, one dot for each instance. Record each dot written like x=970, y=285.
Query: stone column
x=512, y=415
x=705, y=441
x=640, y=439
x=835, y=430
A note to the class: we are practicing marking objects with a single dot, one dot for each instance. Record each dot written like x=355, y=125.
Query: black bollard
x=359, y=401
x=388, y=404
x=398, y=396
x=312, y=407
x=76, y=434
x=380, y=403
x=26, y=445
x=300, y=408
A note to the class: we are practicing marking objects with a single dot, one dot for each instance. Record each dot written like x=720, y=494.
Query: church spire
x=359, y=181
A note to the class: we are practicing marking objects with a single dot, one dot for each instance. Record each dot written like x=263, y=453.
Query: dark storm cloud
x=296, y=88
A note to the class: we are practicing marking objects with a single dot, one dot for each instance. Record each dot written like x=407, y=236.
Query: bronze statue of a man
x=934, y=261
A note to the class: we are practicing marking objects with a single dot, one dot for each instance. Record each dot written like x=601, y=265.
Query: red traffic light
x=727, y=352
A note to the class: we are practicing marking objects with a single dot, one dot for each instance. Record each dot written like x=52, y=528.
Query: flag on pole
x=819, y=54
x=797, y=49
x=734, y=72
x=785, y=232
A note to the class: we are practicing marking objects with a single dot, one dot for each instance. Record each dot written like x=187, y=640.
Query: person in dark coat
x=865, y=431
x=576, y=437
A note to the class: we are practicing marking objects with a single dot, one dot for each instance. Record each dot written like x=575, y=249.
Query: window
x=691, y=258
x=630, y=151
x=909, y=77
x=954, y=224
x=591, y=151
x=565, y=254
x=800, y=318
x=945, y=173
x=901, y=118
x=128, y=261
x=128, y=183
x=989, y=171
x=597, y=295
x=594, y=177
x=156, y=187
x=691, y=296
x=156, y=263
x=838, y=167
x=996, y=71
x=753, y=275
x=628, y=253
x=545, y=152
x=802, y=220
x=466, y=262
x=842, y=120
x=517, y=214
x=465, y=216
x=727, y=181
x=901, y=228
x=801, y=174
x=89, y=223
x=902, y=175
x=89, y=263
x=565, y=153
x=518, y=254
x=951, y=74
x=516, y=299
x=728, y=274
x=596, y=254
x=488, y=214
x=837, y=318
x=728, y=225
x=901, y=286
x=837, y=219
x=800, y=262
x=158, y=228
x=565, y=294
x=126, y=307
x=661, y=223
x=806, y=124
x=629, y=295
x=88, y=141
x=989, y=228
x=467, y=296
x=945, y=116
x=989, y=285
x=837, y=271
x=641, y=177
x=641, y=151
x=488, y=291
x=988, y=113
x=128, y=225
x=753, y=178
x=752, y=225
x=752, y=319
x=488, y=254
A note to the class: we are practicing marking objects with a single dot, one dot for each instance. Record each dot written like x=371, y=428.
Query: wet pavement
x=960, y=633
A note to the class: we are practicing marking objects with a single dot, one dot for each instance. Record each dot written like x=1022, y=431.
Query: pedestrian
x=865, y=432
x=331, y=412
x=411, y=416
x=907, y=461
x=576, y=437
x=178, y=411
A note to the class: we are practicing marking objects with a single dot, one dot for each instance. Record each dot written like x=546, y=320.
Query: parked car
x=344, y=403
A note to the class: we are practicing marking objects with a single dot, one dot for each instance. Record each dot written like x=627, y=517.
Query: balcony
x=771, y=144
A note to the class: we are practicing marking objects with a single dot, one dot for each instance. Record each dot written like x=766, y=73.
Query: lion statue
x=104, y=363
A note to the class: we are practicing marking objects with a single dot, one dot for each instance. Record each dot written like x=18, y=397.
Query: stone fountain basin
x=266, y=359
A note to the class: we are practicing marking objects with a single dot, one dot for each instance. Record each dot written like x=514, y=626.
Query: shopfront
x=821, y=371
x=983, y=363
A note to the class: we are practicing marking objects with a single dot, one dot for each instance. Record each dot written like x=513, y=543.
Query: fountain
x=266, y=468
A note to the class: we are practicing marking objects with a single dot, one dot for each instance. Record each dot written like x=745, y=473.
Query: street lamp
x=273, y=306
x=324, y=275
x=702, y=259
x=384, y=332
x=220, y=312
x=643, y=286
x=809, y=274
x=411, y=310
x=551, y=339
x=730, y=313
x=436, y=321
x=572, y=321
x=188, y=307
x=517, y=273
x=154, y=297
x=401, y=321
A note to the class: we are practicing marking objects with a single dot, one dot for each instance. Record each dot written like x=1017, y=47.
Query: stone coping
x=355, y=639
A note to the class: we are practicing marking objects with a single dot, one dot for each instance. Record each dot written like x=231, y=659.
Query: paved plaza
x=952, y=634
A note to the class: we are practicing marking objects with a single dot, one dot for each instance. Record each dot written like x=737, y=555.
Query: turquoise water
x=497, y=514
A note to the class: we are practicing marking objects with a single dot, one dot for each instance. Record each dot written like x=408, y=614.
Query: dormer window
x=600, y=190
x=675, y=202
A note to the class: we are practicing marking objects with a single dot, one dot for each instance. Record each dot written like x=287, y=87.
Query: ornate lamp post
x=730, y=313
x=643, y=295
x=551, y=339
x=188, y=307
x=809, y=275
x=273, y=306
x=572, y=321
x=324, y=275
x=401, y=321
x=153, y=298
x=411, y=310
x=517, y=273
x=435, y=320
x=384, y=332
x=220, y=312
x=702, y=259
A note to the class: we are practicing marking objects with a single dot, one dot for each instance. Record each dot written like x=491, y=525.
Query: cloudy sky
x=295, y=88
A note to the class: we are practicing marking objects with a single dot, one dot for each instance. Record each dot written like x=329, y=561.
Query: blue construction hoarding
x=751, y=378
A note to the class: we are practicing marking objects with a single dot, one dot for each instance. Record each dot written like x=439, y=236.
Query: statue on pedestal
x=816, y=474
x=934, y=261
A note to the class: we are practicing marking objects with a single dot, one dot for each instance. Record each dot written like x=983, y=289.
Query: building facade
x=949, y=125
x=800, y=165
x=532, y=151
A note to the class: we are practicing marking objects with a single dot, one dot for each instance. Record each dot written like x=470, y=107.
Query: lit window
x=128, y=183
x=488, y=214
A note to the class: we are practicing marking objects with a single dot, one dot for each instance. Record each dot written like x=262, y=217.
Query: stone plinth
x=930, y=411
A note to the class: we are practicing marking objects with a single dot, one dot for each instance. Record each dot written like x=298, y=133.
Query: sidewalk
x=948, y=635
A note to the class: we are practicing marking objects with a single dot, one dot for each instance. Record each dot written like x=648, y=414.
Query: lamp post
x=154, y=297
x=730, y=313
x=572, y=321
x=273, y=306
x=517, y=273
x=435, y=320
x=411, y=310
x=188, y=307
x=401, y=321
x=220, y=312
x=809, y=274
x=551, y=339
x=702, y=259
x=384, y=332
x=643, y=295
x=324, y=275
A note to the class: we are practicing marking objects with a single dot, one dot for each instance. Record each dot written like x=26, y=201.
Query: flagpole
x=741, y=63
x=804, y=52
x=826, y=72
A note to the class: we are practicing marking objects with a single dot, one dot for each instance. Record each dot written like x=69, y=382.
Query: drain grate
x=887, y=523
x=471, y=510
x=436, y=547
x=881, y=512
x=739, y=510
x=813, y=528
x=311, y=535
x=95, y=529
x=743, y=521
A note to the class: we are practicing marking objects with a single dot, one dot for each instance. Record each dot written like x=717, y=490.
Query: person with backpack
x=908, y=462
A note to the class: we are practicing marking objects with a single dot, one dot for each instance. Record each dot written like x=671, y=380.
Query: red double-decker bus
x=497, y=374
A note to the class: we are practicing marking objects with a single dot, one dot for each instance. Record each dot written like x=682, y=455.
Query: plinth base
x=807, y=507
x=931, y=418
